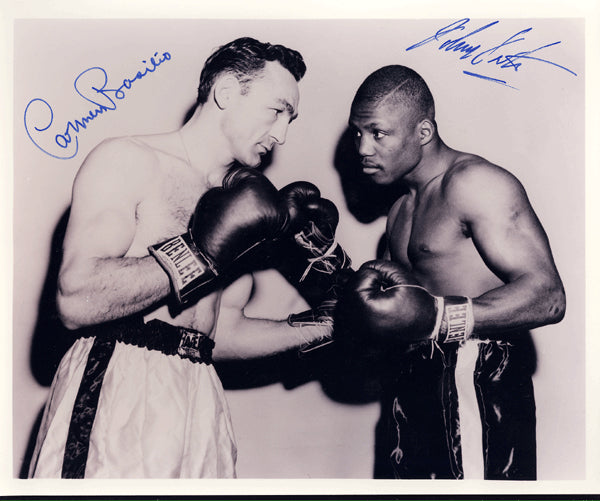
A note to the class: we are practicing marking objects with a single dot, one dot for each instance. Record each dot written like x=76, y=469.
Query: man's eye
x=377, y=134
x=357, y=133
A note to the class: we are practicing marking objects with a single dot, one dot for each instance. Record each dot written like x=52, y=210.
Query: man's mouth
x=264, y=149
x=370, y=168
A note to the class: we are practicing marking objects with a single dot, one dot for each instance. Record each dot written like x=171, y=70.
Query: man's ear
x=225, y=90
x=426, y=131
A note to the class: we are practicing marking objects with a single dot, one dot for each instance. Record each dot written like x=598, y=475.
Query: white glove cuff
x=457, y=320
x=439, y=305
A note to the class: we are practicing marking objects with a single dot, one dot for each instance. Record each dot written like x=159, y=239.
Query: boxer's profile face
x=386, y=138
x=259, y=118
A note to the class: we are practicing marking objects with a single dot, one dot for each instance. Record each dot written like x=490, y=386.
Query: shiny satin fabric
x=425, y=432
x=157, y=416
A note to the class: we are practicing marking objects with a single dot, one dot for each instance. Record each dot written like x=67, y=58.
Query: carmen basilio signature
x=501, y=56
x=91, y=85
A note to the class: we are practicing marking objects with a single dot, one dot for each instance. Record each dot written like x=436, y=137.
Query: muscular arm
x=510, y=239
x=98, y=281
x=238, y=336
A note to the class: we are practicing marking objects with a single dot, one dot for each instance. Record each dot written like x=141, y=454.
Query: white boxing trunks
x=120, y=410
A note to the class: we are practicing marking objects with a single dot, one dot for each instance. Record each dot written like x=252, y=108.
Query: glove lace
x=328, y=266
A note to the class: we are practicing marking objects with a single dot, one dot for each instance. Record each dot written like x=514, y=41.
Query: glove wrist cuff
x=322, y=315
x=439, y=306
x=187, y=267
x=455, y=320
x=307, y=319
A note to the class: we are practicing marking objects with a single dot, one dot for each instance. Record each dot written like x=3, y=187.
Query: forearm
x=105, y=289
x=246, y=338
x=524, y=303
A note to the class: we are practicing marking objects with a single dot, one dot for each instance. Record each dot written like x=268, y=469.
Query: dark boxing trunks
x=420, y=427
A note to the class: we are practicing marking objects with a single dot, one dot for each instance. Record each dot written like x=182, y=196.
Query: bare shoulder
x=120, y=171
x=467, y=169
x=121, y=158
x=472, y=181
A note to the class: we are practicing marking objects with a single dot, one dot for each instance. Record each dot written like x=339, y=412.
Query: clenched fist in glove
x=383, y=301
x=229, y=221
x=317, y=265
x=312, y=221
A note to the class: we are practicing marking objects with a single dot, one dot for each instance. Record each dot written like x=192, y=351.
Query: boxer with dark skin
x=463, y=227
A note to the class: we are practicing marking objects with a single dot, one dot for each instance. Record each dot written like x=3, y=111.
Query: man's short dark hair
x=400, y=83
x=245, y=58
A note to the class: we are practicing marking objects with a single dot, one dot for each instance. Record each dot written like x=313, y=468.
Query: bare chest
x=425, y=230
x=165, y=209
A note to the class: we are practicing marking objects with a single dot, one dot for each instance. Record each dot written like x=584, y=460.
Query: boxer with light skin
x=464, y=231
x=154, y=219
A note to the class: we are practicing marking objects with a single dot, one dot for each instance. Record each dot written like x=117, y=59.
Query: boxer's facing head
x=396, y=86
x=393, y=117
x=245, y=58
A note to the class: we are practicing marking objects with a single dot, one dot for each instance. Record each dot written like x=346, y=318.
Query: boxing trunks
x=460, y=411
x=136, y=400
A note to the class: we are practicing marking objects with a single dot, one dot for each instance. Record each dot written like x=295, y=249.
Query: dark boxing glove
x=228, y=222
x=317, y=265
x=384, y=301
x=312, y=221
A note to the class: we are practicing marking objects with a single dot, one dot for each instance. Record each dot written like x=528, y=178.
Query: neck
x=205, y=146
x=435, y=160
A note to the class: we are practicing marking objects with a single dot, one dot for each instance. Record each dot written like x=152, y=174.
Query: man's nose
x=279, y=131
x=364, y=146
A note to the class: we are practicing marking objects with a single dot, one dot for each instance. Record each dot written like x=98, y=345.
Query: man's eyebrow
x=368, y=126
x=288, y=107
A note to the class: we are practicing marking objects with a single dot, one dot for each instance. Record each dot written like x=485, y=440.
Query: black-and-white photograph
x=342, y=251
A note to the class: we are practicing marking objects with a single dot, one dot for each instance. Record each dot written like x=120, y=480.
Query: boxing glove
x=228, y=222
x=322, y=314
x=382, y=300
x=317, y=265
x=312, y=221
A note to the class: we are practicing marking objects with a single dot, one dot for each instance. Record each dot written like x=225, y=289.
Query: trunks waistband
x=156, y=335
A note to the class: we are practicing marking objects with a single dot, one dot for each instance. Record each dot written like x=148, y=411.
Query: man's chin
x=375, y=176
x=252, y=163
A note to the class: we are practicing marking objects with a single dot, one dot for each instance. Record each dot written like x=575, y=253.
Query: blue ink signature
x=473, y=51
x=102, y=97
